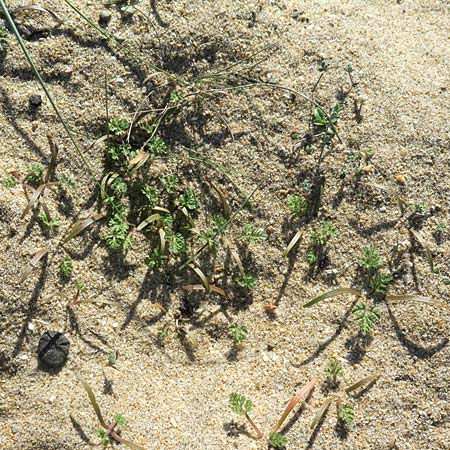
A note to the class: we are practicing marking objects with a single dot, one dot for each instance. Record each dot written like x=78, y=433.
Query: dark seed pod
x=53, y=349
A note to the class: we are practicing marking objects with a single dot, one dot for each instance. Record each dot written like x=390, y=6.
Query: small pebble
x=35, y=100
x=104, y=17
x=400, y=178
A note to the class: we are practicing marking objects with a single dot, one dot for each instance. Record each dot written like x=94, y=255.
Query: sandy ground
x=175, y=395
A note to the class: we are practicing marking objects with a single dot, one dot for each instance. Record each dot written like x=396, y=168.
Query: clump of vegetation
x=50, y=223
x=35, y=174
x=238, y=333
x=277, y=440
x=9, y=182
x=252, y=234
x=366, y=317
x=242, y=406
x=297, y=204
x=370, y=259
x=65, y=268
x=246, y=281
x=346, y=413
x=334, y=369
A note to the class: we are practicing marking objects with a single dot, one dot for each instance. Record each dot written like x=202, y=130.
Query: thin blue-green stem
x=42, y=83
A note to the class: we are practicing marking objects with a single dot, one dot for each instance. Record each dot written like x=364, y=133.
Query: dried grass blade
x=123, y=441
x=294, y=240
x=425, y=246
x=200, y=287
x=202, y=277
x=320, y=412
x=403, y=204
x=225, y=205
x=160, y=208
x=300, y=396
x=32, y=264
x=57, y=19
x=330, y=294
x=107, y=180
x=93, y=401
x=365, y=381
x=139, y=160
x=237, y=259
x=52, y=164
x=148, y=221
x=34, y=197
x=82, y=224
x=416, y=298
x=162, y=241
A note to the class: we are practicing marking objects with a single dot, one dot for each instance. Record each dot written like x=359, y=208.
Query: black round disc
x=53, y=349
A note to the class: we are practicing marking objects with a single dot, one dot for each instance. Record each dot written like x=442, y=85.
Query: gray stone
x=53, y=349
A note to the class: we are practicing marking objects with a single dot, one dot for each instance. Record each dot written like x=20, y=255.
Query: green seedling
x=246, y=281
x=334, y=370
x=65, y=268
x=117, y=237
x=108, y=431
x=188, y=200
x=51, y=223
x=252, y=234
x=170, y=183
x=157, y=146
x=176, y=243
x=118, y=126
x=156, y=259
x=420, y=209
x=151, y=194
x=366, y=318
x=346, y=413
x=311, y=258
x=9, y=182
x=323, y=233
x=297, y=204
x=112, y=360
x=238, y=333
x=35, y=174
x=242, y=406
x=66, y=182
x=277, y=440
x=380, y=282
x=370, y=259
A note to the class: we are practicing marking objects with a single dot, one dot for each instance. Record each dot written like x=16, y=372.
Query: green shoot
x=35, y=174
x=65, y=268
x=188, y=199
x=49, y=222
x=242, y=406
x=380, y=282
x=321, y=235
x=238, y=333
x=157, y=146
x=170, y=183
x=367, y=318
x=104, y=438
x=118, y=126
x=117, y=236
x=120, y=419
x=346, y=413
x=297, y=205
x=176, y=243
x=251, y=234
x=311, y=258
x=246, y=281
x=66, y=182
x=370, y=259
x=151, y=194
x=156, y=259
x=333, y=370
x=277, y=440
x=9, y=182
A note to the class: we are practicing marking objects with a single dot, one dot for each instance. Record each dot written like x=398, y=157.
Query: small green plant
x=156, y=259
x=66, y=182
x=188, y=200
x=441, y=228
x=151, y=194
x=170, y=183
x=104, y=438
x=117, y=237
x=176, y=243
x=9, y=182
x=120, y=419
x=242, y=406
x=366, y=318
x=238, y=333
x=35, y=174
x=370, y=259
x=380, y=282
x=323, y=233
x=346, y=413
x=420, y=209
x=246, y=281
x=65, y=268
x=277, y=440
x=49, y=222
x=118, y=126
x=297, y=205
x=334, y=370
x=311, y=258
x=157, y=146
x=251, y=234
